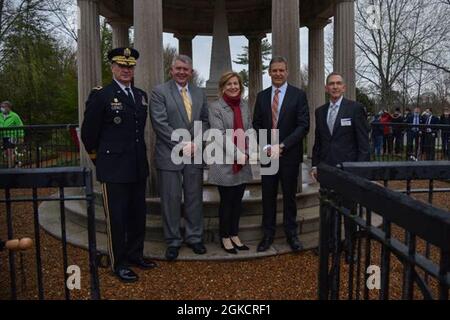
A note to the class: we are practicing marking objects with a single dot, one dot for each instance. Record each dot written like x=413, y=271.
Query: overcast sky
x=202, y=51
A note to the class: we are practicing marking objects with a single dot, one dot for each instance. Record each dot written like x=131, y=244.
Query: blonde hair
x=226, y=77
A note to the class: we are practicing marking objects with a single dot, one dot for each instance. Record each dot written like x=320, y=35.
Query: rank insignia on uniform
x=116, y=105
x=97, y=88
x=117, y=120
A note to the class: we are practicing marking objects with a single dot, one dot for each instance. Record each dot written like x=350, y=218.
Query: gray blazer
x=167, y=113
x=221, y=117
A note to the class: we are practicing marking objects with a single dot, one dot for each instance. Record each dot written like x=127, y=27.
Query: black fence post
x=95, y=287
x=324, y=246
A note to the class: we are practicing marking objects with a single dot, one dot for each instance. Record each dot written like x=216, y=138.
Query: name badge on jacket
x=346, y=122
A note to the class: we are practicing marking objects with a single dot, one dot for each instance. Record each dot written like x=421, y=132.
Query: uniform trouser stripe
x=108, y=225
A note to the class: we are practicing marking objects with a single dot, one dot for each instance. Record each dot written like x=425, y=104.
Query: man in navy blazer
x=283, y=107
x=342, y=135
x=342, y=131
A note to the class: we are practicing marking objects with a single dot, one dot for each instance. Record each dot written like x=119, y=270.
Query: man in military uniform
x=113, y=134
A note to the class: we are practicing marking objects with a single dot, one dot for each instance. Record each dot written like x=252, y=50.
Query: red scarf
x=235, y=104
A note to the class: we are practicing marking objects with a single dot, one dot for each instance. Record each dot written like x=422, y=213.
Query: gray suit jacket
x=221, y=117
x=167, y=113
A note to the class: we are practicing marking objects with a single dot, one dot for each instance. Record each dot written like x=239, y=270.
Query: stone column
x=88, y=59
x=286, y=42
x=286, y=35
x=255, y=67
x=148, y=40
x=344, y=44
x=220, y=54
x=185, y=44
x=120, y=33
x=316, y=74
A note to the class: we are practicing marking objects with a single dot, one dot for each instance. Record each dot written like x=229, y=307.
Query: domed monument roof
x=197, y=16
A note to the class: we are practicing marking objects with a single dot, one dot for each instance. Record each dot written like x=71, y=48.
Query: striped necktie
x=275, y=103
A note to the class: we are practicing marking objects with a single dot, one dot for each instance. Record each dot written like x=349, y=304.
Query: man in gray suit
x=177, y=104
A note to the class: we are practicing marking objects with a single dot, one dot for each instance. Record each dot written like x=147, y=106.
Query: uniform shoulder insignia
x=97, y=88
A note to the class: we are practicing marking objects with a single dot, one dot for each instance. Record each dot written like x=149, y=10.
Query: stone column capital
x=255, y=36
x=119, y=22
x=184, y=36
x=318, y=23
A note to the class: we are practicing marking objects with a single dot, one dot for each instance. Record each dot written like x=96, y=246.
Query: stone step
x=250, y=225
x=77, y=236
x=251, y=202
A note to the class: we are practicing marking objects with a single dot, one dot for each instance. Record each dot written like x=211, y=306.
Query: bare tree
x=410, y=33
x=63, y=17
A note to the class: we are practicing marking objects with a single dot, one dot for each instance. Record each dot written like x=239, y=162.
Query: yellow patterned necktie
x=187, y=103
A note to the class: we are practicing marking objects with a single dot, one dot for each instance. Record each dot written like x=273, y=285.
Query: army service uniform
x=113, y=130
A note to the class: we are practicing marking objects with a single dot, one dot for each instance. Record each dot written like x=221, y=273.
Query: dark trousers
x=125, y=212
x=429, y=146
x=388, y=143
x=412, y=143
x=398, y=136
x=230, y=209
x=446, y=144
x=287, y=175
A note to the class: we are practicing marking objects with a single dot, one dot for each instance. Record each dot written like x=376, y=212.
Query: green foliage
x=365, y=100
x=38, y=73
x=105, y=47
x=243, y=59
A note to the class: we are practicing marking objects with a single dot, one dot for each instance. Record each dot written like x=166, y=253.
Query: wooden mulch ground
x=284, y=277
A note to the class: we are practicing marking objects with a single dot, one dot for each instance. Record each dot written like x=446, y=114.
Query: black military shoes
x=126, y=275
x=143, y=264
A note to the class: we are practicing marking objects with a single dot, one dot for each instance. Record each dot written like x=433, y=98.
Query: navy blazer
x=293, y=122
x=350, y=139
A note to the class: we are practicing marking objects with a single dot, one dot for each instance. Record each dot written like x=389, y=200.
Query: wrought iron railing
x=36, y=180
x=40, y=146
x=407, y=240
x=406, y=142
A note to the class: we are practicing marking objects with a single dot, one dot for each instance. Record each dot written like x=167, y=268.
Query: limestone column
x=255, y=67
x=185, y=44
x=220, y=54
x=120, y=33
x=148, y=40
x=316, y=74
x=286, y=42
x=286, y=35
x=344, y=44
x=88, y=58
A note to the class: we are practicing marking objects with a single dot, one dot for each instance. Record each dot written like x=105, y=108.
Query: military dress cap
x=124, y=56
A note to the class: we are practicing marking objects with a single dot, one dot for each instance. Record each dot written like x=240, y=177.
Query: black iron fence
x=406, y=142
x=36, y=180
x=40, y=146
x=390, y=245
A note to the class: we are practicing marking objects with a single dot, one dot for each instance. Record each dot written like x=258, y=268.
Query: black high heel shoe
x=240, y=248
x=231, y=251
